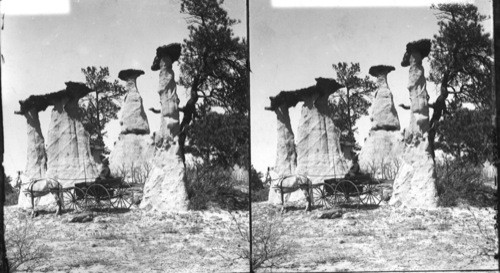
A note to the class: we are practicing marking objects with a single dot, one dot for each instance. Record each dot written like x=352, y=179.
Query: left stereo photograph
x=126, y=136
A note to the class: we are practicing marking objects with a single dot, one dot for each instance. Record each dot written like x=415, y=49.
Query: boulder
x=415, y=183
x=134, y=119
x=165, y=188
x=69, y=159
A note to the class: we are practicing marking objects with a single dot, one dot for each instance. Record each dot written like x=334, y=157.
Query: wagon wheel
x=372, y=194
x=122, y=198
x=74, y=199
x=346, y=193
x=97, y=197
x=322, y=195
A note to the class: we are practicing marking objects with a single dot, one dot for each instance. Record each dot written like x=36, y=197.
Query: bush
x=23, y=250
x=11, y=194
x=211, y=184
x=269, y=247
x=461, y=182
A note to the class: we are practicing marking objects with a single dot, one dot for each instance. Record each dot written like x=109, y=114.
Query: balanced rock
x=382, y=150
x=69, y=159
x=319, y=155
x=134, y=149
x=384, y=114
x=134, y=119
x=415, y=183
x=165, y=188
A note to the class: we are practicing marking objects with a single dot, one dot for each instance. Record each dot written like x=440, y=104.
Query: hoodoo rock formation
x=134, y=147
x=286, y=157
x=415, y=183
x=319, y=154
x=69, y=159
x=383, y=147
x=165, y=188
x=36, y=163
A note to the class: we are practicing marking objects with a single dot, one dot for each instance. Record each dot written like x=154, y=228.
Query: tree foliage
x=467, y=134
x=101, y=105
x=213, y=69
x=352, y=101
x=464, y=51
x=213, y=60
x=221, y=139
x=461, y=64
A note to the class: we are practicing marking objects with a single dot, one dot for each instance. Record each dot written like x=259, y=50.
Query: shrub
x=269, y=247
x=207, y=183
x=11, y=194
x=23, y=250
x=460, y=181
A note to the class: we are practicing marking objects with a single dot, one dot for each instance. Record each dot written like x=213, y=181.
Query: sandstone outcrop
x=319, y=155
x=69, y=159
x=286, y=157
x=381, y=152
x=165, y=188
x=415, y=183
x=36, y=161
x=134, y=119
x=134, y=149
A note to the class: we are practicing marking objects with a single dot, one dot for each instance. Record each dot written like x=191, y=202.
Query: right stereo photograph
x=373, y=139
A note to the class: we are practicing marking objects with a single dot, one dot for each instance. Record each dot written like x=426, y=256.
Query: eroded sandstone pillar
x=319, y=155
x=415, y=183
x=134, y=149
x=286, y=157
x=36, y=159
x=69, y=159
x=381, y=152
x=165, y=189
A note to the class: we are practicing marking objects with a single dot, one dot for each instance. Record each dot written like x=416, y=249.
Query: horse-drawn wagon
x=350, y=191
x=98, y=195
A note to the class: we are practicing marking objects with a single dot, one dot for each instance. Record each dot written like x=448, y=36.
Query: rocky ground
x=382, y=238
x=129, y=241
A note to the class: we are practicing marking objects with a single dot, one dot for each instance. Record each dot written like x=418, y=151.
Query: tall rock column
x=36, y=161
x=165, y=188
x=134, y=149
x=415, y=183
x=286, y=157
x=68, y=145
x=381, y=152
x=319, y=154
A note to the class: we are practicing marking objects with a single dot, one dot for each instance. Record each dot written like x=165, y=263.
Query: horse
x=42, y=187
x=292, y=183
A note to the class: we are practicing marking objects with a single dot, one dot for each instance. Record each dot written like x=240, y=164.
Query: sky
x=290, y=47
x=42, y=52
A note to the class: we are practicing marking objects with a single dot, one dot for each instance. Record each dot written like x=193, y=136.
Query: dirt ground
x=133, y=241
x=383, y=238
